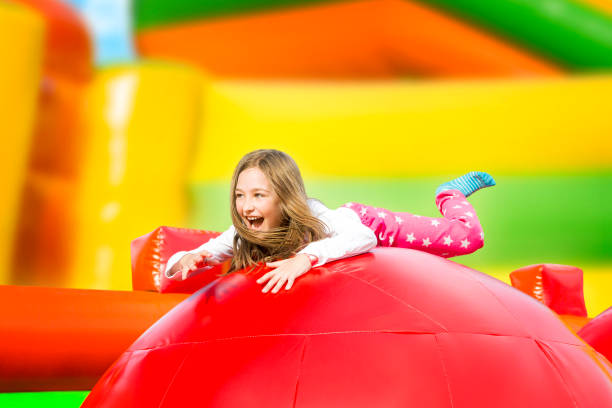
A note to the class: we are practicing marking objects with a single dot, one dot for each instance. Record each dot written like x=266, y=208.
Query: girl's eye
x=258, y=195
x=238, y=195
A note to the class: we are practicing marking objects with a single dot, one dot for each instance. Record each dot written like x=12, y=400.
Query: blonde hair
x=298, y=226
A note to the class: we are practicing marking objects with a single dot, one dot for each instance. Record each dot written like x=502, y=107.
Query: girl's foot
x=468, y=183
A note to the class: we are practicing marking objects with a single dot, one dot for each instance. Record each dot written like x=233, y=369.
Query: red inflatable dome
x=391, y=328
x=598, y=333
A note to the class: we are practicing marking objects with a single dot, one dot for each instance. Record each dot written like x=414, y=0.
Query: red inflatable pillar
x=560, y=287
x=151, y=252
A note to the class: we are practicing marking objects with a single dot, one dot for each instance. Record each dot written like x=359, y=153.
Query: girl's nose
x=248, y=206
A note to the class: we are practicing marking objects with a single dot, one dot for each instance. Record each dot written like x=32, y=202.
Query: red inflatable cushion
x=559, y=287
x=394, y=327
x=598, y=333
x=151, y=252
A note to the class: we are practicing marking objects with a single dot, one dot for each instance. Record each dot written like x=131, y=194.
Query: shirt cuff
x=313, y=259
x=312, y=252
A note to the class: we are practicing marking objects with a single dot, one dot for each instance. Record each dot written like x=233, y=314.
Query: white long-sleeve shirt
x=346, y=236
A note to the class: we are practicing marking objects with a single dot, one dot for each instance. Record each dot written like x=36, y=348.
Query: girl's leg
x=458, y=232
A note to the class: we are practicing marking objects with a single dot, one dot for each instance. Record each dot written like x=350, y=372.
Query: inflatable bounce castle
x=402, y=94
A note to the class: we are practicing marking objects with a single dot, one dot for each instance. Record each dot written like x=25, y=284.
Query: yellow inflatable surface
x=21, y=45
x=140, y=123
x=398, y=129
x=601, y=5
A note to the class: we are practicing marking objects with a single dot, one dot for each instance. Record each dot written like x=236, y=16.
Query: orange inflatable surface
x=64, y=339
x=43, y=239
x=375, y=39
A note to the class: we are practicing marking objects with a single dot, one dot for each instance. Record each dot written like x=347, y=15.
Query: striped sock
x=468, y=183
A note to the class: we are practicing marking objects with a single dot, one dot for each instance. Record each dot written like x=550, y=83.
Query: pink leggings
x=457, y=233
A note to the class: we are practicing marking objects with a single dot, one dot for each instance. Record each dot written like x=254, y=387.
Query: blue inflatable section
x=109, y=22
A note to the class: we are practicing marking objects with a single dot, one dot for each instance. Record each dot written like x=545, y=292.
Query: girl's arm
x=348, y=236
x=221, y=248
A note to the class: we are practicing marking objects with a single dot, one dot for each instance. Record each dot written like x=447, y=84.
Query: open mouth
x=254, y=222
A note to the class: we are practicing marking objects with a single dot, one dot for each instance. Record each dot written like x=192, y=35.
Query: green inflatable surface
x=152, y=13
x=59, y=399
x=564, y=31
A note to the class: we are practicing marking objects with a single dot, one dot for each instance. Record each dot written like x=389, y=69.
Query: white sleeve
x=220, y=247
x=348, y=237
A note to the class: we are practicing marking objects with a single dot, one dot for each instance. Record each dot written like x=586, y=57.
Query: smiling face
x=256, y=201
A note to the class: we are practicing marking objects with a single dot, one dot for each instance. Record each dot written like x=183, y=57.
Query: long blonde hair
x=298, y=226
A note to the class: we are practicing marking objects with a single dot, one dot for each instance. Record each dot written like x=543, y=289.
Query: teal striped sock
x=468, y=183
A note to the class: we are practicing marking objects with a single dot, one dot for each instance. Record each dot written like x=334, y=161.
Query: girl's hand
x=287, y=270
x=189, y=263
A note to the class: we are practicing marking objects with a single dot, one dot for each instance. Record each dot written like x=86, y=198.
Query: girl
x=274, y=222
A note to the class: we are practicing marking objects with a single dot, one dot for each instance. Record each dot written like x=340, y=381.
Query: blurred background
x=124, y=115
